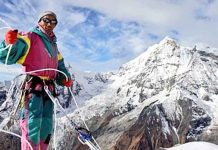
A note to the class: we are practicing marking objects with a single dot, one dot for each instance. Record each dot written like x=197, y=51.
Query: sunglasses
x=46, y=20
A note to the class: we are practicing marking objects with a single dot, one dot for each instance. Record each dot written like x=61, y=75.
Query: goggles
x=46, y=20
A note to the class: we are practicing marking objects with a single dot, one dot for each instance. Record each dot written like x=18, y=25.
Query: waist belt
x=39, y=79
x=44, y=78
x=35, y=84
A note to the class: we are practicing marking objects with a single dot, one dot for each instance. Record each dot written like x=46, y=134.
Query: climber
x=37, y=50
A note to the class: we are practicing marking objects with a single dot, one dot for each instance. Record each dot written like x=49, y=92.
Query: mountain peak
x=167, y=40
x=163, y=48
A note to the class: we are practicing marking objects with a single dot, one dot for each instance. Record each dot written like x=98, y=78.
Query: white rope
x=91, y=145
x=9, y=51
x=56, y=102
x=96, y=143
x=46, y=69
x=8, y=26
x=17, y=136
x=5, y=28
x=83, y=119
x=55, y=125
x=6, y=47
x=62, y=109
x=55, y=108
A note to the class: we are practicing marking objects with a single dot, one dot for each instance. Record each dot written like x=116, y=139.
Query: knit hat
x=46, y=13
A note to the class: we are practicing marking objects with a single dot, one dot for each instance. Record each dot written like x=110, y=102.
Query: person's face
x=48, y=23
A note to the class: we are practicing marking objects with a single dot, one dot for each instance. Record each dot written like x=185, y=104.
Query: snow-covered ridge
x=161, y=61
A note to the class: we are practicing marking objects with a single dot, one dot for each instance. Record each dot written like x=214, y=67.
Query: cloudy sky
x=101, y=35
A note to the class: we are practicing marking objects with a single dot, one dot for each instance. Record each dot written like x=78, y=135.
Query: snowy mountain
x=166, y=96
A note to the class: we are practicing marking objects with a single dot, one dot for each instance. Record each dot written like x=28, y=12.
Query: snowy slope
x=195, y=146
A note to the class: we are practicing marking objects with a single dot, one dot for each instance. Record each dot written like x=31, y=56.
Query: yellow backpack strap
x=27, y=41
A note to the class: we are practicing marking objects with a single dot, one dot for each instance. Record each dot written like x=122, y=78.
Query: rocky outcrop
x=9, y=142
x=154, y=129
x=210, y=134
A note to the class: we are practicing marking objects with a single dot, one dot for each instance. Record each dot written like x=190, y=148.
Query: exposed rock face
x=154, y=129
x=9, y=142
x=210, y=135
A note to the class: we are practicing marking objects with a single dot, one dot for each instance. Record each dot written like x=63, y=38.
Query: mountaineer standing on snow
x=36, y=50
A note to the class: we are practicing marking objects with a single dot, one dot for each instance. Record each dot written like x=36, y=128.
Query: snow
x=195, y=146
x=206, y=48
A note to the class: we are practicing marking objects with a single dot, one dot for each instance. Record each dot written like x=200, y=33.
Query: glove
x=11, y=36
x=68, y=83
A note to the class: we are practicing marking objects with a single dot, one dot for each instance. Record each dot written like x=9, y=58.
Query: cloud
x=161, y=16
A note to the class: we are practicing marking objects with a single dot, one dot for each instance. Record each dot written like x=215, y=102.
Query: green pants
x=36, y=118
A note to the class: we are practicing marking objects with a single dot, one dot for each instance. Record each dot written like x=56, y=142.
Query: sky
x=101, y=35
